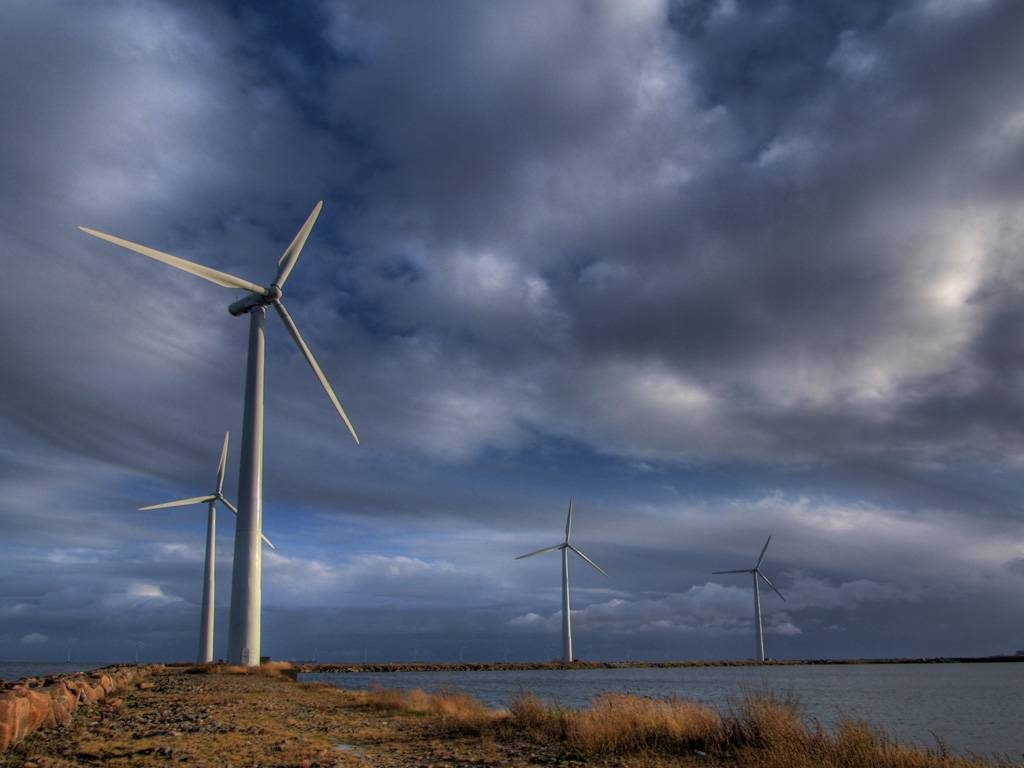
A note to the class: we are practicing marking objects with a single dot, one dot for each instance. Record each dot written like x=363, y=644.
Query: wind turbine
x=565, y=546
x=756, y=573
x=244, y=629
x=206, y=622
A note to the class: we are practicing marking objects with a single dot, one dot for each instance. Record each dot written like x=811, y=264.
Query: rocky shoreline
x=43, y=702
x=221, y=716
x=213, y=715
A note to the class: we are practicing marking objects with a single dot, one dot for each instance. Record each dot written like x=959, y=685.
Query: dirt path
x=182, y=718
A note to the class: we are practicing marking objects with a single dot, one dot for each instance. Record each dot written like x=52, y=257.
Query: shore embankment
x=515, y=666
x=224, y=716
x=44, y=702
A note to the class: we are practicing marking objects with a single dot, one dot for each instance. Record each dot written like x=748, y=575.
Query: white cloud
x=367, y=579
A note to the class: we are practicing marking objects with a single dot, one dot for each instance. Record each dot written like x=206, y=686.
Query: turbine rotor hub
x=253, y=300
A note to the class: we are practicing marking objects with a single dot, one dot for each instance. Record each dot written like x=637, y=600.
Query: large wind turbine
x=565, y=546
x=206, y=623
x=244, y=629
x=756, y=573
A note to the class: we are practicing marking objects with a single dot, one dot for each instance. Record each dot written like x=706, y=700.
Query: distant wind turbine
x=756, y=573
x=565, y=546
x=246, y=591
x=206, y=623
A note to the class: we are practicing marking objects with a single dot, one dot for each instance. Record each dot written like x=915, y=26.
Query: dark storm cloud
x=784, y=216
x=722, y=268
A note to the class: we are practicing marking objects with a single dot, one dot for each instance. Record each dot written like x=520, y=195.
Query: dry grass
x=270, y=669
x=767, y=730
x=618, y=724
x=454, y=710
x=760, y=720
x=461, y=712
x=532, y=717
x=763, y=729
x=416, y=701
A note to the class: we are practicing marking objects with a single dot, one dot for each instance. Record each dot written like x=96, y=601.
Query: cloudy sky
x=719, y=269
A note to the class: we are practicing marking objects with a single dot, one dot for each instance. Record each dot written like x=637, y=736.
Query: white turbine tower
x=565, y=546
x=206, y=622
x=756, y=573
x=244, y=630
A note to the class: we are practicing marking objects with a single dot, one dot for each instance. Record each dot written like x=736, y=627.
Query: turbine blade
x=222, y=465
x=741, y=570
x=294, y=331
x=234, y=511
x=179, y=503
x=578, y=552
x=774, y=588
x=568, y=521
x=541, y=551
x=291, y=254
x=763, y=550
x=207, y=273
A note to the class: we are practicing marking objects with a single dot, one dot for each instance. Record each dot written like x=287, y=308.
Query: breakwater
x=42, y=702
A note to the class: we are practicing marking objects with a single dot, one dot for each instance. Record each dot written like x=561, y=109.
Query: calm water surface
x=15, y=670
x=971, y=707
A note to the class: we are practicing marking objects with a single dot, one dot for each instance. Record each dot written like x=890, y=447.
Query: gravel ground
x=178, y=717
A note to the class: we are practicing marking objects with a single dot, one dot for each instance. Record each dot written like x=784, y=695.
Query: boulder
x=39, y=712
x=104, y=683
x=21, y=712
x=12, y=708
x=33, y=703
x=65, y=701
x=86, y=694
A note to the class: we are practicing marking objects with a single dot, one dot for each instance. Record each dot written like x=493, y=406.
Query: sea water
x=15, y=670
x=975, y=708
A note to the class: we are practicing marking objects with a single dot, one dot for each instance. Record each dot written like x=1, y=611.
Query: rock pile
x=46, y=702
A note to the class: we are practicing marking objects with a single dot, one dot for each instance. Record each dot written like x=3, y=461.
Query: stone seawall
x=44, y=702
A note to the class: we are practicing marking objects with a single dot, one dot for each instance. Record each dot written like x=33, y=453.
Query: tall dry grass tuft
x=530, y=716
x=618, y=724
x=278, y=669
x=781, y=740
x=762, y=720
x=461, y=712
x=454, y=710
x=392, y=698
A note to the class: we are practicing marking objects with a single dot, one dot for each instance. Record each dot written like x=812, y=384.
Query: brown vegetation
x=270, y=669
x=762, y=729
x=455, y=711
x=217, y=715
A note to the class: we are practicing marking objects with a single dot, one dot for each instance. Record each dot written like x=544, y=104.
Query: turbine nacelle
x=210, y=498
x=247, y=304
x=253, y=300
x=566, y=545
x=258, y=296
x=756, y=571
